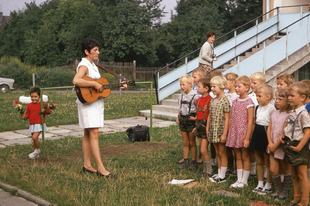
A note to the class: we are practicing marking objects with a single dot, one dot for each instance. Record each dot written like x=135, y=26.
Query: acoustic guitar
x=89, y=94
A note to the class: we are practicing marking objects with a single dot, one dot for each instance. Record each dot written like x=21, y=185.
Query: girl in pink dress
x=274, y=134
x=240, y=130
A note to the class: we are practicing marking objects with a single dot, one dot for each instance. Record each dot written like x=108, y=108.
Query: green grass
x=143, y=169
x=116, y=106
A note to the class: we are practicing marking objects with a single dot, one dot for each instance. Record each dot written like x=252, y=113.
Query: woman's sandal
x=85, y=170
x=110, y=175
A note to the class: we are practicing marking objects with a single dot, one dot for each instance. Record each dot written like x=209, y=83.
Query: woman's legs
x=93, y=146
x=87, y=151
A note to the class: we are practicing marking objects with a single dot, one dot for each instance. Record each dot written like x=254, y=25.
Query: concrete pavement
x=18, y=137
x=11, y=138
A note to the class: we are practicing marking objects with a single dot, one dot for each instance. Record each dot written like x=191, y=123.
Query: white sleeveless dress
x=91, y=115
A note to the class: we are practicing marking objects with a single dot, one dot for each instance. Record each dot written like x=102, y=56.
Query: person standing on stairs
x=206, y=54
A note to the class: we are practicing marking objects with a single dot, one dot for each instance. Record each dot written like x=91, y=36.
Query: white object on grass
x=178, y=182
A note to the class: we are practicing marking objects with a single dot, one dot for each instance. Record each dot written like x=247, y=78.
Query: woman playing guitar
x=91, y=114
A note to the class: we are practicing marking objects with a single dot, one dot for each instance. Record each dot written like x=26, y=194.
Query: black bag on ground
x=138, y=133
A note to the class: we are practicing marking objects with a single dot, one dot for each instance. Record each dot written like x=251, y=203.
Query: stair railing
x=278, y=50
x=275, y=19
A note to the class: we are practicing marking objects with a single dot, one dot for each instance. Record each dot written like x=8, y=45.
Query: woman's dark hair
x=210, y=33
x=88, y=44
x=35, y=90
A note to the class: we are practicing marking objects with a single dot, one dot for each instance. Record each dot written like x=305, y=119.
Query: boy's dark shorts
x=201, y=128
x=185, y=124
x=296, y=158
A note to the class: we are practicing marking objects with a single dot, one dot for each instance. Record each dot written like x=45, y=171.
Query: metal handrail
x=185, y=56
x=260, y=42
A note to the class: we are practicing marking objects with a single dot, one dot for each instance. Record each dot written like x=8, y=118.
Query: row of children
x=222, y=111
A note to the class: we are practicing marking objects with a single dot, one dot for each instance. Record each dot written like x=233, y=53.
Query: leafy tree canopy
x=50, y=34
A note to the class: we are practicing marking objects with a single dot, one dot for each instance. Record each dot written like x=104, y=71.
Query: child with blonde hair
x=259, y=140
x=217, y=125
x=274, y=134
x=231, y=96
x=257, y=79
x=186, y=120
x=210, y=75
x=231, y=81
x=240, y=130
x=284, y=81
x=295, y=140
x=197, y=74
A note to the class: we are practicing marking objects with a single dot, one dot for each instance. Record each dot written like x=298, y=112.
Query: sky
x=6, y=6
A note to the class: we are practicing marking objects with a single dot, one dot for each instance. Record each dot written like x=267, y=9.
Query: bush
x=12, y=67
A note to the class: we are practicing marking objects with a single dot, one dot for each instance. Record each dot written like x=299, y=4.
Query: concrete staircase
x=247, y=54
x=167, y=110
x=294, y=62
x=169, y=107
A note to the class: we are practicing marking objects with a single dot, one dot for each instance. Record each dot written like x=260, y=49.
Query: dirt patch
x=113, y=151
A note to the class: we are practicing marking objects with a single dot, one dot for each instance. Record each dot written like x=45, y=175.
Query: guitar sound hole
x=91, y=91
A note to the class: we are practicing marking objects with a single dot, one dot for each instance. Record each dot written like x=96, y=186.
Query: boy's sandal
x=180, y=161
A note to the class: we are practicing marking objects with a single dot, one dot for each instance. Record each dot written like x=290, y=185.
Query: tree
x=188, y=29
x=127, y=32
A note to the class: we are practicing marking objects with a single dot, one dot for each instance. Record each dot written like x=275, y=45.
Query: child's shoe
x=257, y=189
x=192, y=166
x=242, y=185
x=287, y=181
x=184, y=165
x=234, y=185
x=218, y=179
x=214, y=162
x=264, y=191
x=295, y=201
x=35, y=155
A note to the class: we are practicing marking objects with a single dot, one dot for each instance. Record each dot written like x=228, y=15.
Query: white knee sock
x=239, y=174
x=223, y=172
x=245, y=177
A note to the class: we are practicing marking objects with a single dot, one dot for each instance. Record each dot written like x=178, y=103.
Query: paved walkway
x=11, y=138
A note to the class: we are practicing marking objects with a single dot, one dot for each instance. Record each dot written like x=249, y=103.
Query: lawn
x=116, y=106
x=142, y=169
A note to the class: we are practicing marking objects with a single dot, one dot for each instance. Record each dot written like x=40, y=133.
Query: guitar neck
x=110, y=86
